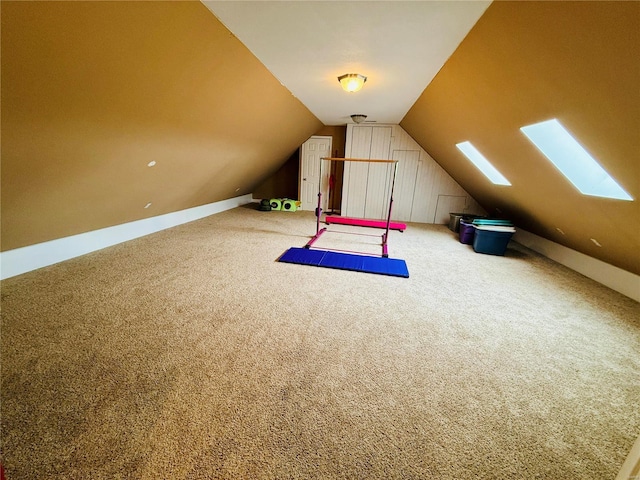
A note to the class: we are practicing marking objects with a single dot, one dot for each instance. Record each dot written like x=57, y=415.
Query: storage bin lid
x=496, y=228
x=492, y=221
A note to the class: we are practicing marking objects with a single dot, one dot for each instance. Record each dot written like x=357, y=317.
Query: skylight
x=482, y=163
x=575, y=163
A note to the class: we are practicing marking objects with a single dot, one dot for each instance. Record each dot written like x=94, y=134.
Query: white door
x=311, y=152
x=408, y=162
x=365, y=188
x=354, y=183
x=380, y=175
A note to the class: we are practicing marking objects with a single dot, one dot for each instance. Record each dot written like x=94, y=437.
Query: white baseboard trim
x=22, y=260
x=613, y=277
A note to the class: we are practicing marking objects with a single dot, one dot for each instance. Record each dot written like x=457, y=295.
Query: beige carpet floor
x=193, y=354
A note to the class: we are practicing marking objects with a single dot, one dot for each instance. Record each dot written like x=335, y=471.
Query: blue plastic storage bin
x=492, y=239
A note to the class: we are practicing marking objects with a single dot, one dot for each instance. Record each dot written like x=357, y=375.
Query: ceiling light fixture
x=358, y=117
x=352, y=82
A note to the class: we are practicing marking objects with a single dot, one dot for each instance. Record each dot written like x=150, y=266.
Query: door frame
x=325, y=168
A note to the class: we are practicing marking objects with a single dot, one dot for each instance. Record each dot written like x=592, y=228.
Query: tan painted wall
x=526, y=62
x=339, y=136
x=285, y=182
x=94, y=91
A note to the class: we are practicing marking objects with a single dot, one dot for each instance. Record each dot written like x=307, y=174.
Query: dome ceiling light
x=352, y=82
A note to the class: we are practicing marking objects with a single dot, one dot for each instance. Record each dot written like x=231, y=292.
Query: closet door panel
x=408, y=162
x=422, y=187
x=424, y=204
x=379, y=177
x=354, y=187
x=378, y=186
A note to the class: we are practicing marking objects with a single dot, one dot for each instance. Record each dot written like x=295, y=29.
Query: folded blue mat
x=346, y=261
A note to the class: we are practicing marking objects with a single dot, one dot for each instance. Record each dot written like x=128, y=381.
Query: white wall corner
x=22, y=260
x=613, y=277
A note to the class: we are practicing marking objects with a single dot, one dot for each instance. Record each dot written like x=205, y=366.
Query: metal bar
x=363, y=222
x=318, y=212
x=344, y=232
x=355, y=252
x=385, y=252
x=319, y=208
x=333, y=159
x=393, y=186
x=314, y=238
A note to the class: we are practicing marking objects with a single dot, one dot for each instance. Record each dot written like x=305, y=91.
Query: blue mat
x=346, y=261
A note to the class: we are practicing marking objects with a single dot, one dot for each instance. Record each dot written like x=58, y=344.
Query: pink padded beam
x=361, y=222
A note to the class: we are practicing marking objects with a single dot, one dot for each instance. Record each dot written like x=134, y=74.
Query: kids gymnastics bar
x=356, y=221
x=383, y=265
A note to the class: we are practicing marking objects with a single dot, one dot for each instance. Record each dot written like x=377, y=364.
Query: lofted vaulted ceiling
x=399, y=46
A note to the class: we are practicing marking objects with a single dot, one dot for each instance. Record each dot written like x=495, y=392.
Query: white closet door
x=354, y=186
x=408, y=162
x=365, y=192
x=424, y=192
x=380, y=174
x=424, y=203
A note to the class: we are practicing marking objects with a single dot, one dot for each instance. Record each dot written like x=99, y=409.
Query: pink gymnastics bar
x=315, y=237
x=361, y=222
